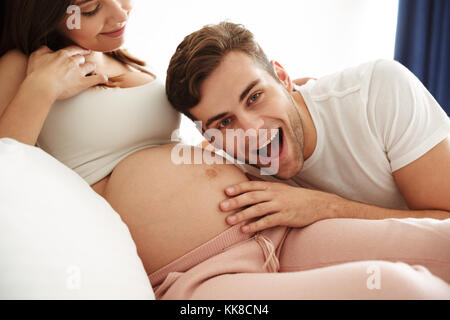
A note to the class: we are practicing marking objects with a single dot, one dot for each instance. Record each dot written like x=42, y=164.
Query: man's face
x=240, y=94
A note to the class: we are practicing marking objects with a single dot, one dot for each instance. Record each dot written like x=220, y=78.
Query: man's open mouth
x=272, y=148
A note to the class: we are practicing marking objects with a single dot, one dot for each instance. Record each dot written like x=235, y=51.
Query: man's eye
x=224, y=123
x=254, y=97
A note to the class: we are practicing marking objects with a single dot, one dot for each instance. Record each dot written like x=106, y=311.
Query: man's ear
x=282, y=75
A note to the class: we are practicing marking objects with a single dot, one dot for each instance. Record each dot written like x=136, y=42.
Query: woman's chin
x=110, y=47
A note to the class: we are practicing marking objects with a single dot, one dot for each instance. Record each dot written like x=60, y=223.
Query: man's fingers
x=267, y=222
x=254, y=211
x=252, y=177
x=243, y=200
x=245, y=187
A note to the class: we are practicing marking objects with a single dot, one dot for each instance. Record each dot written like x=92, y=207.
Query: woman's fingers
x=302, y=81
x=66, y=52
x=87, y=68
x=96, y=79
x=64, y=72
x=74, y=50
x=42, y=50
x=78, y=59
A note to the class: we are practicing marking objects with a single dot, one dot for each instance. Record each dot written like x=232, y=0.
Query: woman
x=57, y=106
x=95, y=108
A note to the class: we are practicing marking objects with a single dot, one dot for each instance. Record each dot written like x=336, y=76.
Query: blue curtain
x=423, y=44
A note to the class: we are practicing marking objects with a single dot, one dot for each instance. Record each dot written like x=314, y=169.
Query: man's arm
x=351, y=209
x=356, y=210
x=277, y=204
x=424, y=183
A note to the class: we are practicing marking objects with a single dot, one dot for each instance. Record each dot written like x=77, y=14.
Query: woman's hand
x=64, y=73
x=302, y=81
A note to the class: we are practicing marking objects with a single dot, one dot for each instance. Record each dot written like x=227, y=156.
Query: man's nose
x=250, y=121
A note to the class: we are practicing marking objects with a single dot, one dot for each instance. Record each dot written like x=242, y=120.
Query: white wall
x=308, y=37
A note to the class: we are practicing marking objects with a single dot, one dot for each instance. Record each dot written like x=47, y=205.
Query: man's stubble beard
x=296, y=126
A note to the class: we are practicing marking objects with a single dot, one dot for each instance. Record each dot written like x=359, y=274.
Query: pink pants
x=330, y=259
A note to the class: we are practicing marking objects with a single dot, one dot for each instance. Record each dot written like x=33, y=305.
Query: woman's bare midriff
x=169, y=209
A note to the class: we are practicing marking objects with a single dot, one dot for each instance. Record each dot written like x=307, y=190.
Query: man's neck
x=309, y=129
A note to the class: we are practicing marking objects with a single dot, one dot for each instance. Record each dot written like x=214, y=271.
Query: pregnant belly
x=169, y=209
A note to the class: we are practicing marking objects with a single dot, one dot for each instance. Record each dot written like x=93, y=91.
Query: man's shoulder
x=391, y=73
x=365, y=70
x=343, y=82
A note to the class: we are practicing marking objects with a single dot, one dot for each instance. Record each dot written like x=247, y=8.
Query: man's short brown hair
x=200, y=53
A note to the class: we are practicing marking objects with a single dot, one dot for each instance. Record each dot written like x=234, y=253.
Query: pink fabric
x=330, y=259
x=211, y=248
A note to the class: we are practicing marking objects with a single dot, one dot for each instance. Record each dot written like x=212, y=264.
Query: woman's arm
x=13, y=70
x=14, y=93
x=24, y=117
x=29, y=87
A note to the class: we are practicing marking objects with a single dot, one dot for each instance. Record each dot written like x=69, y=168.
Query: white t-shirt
x=371, y=120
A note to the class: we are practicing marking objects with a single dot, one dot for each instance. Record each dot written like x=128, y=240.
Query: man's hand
x=277, y=204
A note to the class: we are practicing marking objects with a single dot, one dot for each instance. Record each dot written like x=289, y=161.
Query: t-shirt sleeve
x=403, y=116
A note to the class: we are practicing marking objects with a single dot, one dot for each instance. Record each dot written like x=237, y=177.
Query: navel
x=211, y=173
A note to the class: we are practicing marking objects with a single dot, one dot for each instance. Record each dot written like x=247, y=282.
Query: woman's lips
x=115, y=34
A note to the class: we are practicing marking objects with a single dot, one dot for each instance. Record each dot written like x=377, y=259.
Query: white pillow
x=58, y=238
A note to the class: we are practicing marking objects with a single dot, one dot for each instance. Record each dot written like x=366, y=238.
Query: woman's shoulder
x=14, y=56
x=15, y=61
x=13, y=70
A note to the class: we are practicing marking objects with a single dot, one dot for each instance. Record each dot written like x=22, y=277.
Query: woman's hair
x=200, y=53
x=26, y=25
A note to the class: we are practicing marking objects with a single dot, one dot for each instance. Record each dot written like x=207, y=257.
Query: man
x=369, y=142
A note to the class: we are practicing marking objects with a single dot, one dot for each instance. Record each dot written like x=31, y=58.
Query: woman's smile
x=115, y=34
